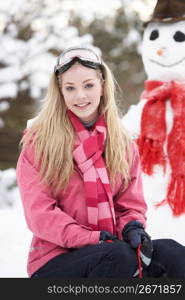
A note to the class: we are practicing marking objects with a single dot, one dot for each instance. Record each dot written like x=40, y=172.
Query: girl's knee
x=168, y=250
x=167, y=244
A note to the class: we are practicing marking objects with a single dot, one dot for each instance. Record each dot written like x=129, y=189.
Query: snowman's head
x=163, y=51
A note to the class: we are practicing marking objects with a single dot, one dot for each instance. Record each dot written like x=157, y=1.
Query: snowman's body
x=163, y=54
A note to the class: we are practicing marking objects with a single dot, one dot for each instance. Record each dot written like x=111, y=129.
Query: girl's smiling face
x=82, y=90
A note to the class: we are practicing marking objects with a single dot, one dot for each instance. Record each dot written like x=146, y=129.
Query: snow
x=14, y=234
x=15, y=240
x=4, y=105
x=161, y=222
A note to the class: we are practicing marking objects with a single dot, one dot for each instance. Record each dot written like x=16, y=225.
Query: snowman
x=157, y=122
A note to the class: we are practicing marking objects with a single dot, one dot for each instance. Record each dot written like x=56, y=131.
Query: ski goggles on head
x=85, y=56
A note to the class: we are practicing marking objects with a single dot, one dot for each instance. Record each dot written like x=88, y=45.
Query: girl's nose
x=80, y=94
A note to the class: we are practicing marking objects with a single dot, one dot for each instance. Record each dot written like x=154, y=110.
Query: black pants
x=116, y=260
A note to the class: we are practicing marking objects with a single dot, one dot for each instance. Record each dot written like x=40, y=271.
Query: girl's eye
x=154, y=35
x=89, y=85
x=69, y=88
x=179, y=36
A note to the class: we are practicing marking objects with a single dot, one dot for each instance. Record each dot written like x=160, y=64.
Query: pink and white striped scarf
x=88, y=150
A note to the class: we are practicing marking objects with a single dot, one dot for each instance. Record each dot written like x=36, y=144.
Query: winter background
x=25, y=67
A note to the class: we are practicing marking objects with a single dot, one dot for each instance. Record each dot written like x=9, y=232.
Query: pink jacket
x=61, y=223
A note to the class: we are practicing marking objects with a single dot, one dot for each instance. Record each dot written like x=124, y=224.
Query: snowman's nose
x=160, y=51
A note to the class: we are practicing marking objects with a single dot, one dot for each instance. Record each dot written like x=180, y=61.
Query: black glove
x=134, y=234
x=105, y=235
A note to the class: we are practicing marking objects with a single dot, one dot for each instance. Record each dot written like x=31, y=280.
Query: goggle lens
x=84, y=54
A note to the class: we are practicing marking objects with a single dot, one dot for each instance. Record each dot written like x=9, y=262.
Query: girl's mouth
x=82, y=105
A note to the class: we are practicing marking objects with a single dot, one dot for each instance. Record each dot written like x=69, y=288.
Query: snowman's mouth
x=165, y=65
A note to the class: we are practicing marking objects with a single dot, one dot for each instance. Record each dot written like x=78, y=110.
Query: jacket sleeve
x=130, y=203
x=43, y=217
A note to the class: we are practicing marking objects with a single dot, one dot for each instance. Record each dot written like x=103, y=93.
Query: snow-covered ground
x=15, y=239
x=14, y=234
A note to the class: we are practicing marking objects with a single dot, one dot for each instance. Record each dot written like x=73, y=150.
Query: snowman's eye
x=154, y=35
x=179, y=36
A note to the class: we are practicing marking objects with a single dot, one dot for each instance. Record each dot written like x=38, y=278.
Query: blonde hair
x=52, y=136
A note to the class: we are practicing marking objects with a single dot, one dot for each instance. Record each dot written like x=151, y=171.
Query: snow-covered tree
x=32, y=34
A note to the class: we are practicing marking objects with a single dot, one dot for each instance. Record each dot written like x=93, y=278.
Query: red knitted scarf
x=153, y=135
x=87, y=154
